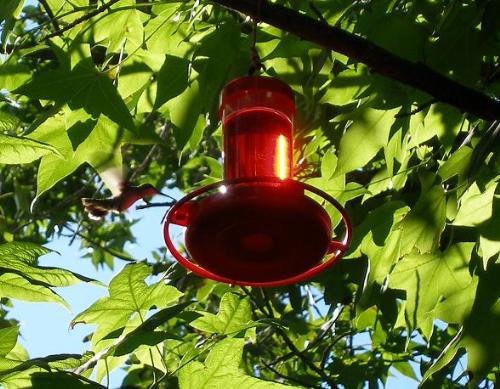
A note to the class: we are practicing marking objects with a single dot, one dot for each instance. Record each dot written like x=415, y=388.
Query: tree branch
x=81, y=19
x=378, y=59
x=284, y=336
x=291, y=379
x=150, y=156
x=50, y=14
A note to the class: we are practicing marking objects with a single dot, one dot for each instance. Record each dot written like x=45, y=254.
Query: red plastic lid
x=255, y=92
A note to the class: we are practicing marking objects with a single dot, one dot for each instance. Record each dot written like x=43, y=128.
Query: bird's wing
x=98, y=208
x=114, y=180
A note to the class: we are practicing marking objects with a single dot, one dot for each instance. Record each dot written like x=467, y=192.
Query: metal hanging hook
x=255, y=61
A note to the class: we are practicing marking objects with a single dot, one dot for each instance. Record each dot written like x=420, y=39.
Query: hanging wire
x=255, y=62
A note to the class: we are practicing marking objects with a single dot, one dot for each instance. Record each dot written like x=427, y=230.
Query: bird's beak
x=166, y=195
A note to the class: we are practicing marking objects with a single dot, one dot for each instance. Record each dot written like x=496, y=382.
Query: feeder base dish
x=258, y=232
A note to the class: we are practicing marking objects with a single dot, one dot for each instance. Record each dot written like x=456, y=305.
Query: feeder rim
x=340, y=247
x=271, y=84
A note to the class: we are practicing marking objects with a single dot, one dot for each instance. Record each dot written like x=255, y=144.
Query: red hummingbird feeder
x=257, y=227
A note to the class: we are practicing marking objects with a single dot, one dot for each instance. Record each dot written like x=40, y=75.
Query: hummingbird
x=124, y=195
x=98, y=208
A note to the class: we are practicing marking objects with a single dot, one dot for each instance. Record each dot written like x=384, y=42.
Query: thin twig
x=84, y=379
x=311, y=345
x=80, y=222
x=99, y=246
x=469, y=136
x=82, y=19
x=107, y=372
x=420, y=108
x=288, y=378
x=98, y=356
x=317, y=11
x=50, y=14
x=304, y=359
x=149, y=157
x=326, y=352
x=284, y=336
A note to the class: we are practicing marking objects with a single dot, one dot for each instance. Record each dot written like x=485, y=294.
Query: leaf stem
x=81, y=19
x=284, y=336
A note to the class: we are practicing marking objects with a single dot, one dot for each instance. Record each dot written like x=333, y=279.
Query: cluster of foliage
x=86, y=86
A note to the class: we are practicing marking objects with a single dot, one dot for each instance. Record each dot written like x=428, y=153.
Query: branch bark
x=267, y=311
x=81, y=19
x=50, y=14
x=378, y=59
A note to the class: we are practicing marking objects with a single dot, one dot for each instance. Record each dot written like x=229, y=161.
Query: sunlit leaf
x=17, y=287
x=476, y=205
x=367, y=134
x=423, y=225
x=90, y=89
x=439, y=275
x=128, y=295
x=8, y=339
x=221, y=369
x=234, y=315
x=16, y=150
x=19, y=258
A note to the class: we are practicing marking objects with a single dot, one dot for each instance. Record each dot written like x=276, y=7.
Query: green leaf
x=479, y=307
x=55, y=361
x=456, y=165
x=444, y=121
x=221, y=370
x=429, y=278
x=60, y=380
x=144, y=334
x=18, y=287
x=382, y=259
x=405, y=369
x=213, y=65
x=9, y=8
x=128, y=295
x=367, y=134
x=20, y=375
x=172, y=79
x=346, y=87
x=377, y=225
x=457, y=306
x=23, y=251
x=121, y=28
x=19, y=258
x=489, y=239
x=381, y=242
x=409, y=40
x=456, y=34
x=12, y=76
x=8, y=339
x=90, y=89
x=235, y=315
x=423, y=225
x=81, y=140
x=483, y=350
x=166, y=35
x=17, y=150
x=134, y=76
x=476, y=206
x=328, y=165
